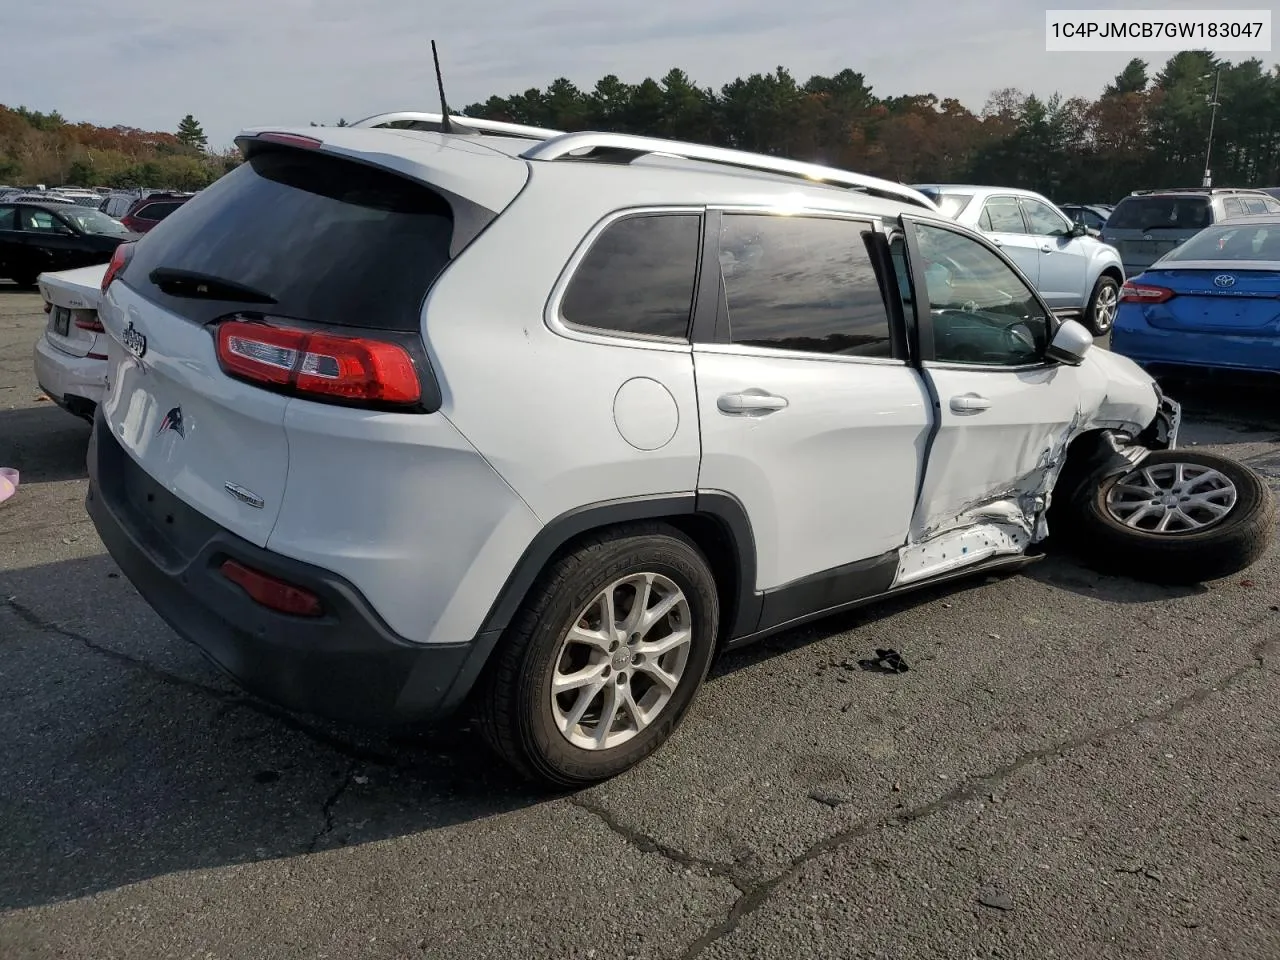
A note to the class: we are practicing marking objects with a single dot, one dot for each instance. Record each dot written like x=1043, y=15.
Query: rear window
x=1261, y=242
x=951, y=204
x=311, y=237
x=1160, y=213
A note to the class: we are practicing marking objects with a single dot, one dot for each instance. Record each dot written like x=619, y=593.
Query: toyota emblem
x=1224, y=280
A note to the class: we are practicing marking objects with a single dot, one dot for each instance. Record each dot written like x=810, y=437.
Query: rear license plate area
x=61, y=321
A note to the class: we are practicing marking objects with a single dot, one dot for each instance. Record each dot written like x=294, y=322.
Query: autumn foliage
x=43, y=148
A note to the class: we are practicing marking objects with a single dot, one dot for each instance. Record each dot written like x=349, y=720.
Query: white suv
x=400, y=419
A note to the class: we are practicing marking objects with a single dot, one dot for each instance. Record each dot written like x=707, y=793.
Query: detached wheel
x=1103, y=303
x=603, y=660
x=1178, y=518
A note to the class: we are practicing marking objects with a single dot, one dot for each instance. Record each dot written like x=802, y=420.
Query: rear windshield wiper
x=202, y=286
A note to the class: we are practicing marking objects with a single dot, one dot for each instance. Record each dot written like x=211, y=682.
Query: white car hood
x=79, y=289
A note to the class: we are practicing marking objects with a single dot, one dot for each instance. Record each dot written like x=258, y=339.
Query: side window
x=803, y=283
x=638, y=277
x=1004, y=216
x=1233, y=207
x=1043, y=219
x=41, y=221
x=1254, y=205
x=8, y=221
x=158, y=211
x=981, y=311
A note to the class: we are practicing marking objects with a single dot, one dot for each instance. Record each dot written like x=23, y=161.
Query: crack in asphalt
x=757, y=896
x=326, y=809
x=230, y=699
x=647, y=844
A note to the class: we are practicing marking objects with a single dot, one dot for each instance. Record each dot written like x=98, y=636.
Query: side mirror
x=1078, y=230
x=1070, y=344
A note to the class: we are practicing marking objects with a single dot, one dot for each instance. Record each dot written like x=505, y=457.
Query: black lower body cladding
x=345, y=664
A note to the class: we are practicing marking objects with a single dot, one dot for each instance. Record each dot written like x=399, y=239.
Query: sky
x=242, y=63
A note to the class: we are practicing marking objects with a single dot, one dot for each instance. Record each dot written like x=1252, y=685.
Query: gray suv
x=1147, y=224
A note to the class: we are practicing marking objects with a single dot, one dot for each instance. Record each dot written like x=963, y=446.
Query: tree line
x=1142, y=132
x=44, y=148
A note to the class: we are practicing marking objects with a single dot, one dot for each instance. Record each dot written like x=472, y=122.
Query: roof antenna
x=445, y=125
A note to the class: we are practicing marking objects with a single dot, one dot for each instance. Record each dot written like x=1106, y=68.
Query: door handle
x=750, y=401
x=1047, y=248
x=969, y=403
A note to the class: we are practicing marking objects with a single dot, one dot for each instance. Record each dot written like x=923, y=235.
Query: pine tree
x=191, y=133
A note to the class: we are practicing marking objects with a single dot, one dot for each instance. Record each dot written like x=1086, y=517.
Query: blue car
x=1211, y=303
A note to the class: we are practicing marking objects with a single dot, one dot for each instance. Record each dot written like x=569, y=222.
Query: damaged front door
x=1003, y=412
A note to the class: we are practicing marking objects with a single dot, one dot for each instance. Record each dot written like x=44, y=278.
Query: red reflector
x=118, y=261
x=292, y=140
x=1144, y=293
x=271, y=592
x=319, y=364
x=88, y=320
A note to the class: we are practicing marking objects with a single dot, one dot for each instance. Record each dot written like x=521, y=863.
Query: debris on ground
x=996, y=900
x=885, y=661
x=8, y=483
x=829, y=796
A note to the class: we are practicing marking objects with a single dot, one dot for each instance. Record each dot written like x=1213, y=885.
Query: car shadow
x=128, y=756
x=44, y=442
x=1227, y=407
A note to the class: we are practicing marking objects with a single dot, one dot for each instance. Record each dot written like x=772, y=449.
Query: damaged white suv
x=400, y=420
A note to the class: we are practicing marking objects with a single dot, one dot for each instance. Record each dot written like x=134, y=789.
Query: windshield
x=1252, y=242
x=94, y=222
x=1160, y=213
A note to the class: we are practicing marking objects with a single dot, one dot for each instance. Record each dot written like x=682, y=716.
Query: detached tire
x=1100, y=312
x=603, y=659
x=1218, y=518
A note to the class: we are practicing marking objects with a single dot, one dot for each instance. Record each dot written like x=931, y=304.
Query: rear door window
x=1003, y=215
x=1255, y=205
x=803, y=283
x=1233, y=207
x=302, y=235
x=637, y=278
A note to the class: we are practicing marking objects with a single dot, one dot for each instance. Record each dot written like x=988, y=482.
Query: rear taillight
x=48, y=306
x=87, y=320
x=319, y=365
x=119, y=260
x=271, y=592
x=1144, y=293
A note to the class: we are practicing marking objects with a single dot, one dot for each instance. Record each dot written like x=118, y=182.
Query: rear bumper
x=74, y=383
x=346, y=664
x=1150, y=347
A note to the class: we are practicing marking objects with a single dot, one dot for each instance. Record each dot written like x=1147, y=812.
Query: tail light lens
x=119, y=260
x=1144, y=293
x=272, y=593
x=87, y=320
x=319, y=365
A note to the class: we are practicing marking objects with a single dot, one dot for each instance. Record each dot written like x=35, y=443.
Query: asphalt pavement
x=1074, y=766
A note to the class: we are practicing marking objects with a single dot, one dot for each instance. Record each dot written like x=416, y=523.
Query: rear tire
x=1100, y=313
x=1219, y=547
x=563, y=739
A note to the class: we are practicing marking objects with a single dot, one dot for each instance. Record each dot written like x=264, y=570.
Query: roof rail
x=413, y=120
x=1210, y=190
x=623, y=148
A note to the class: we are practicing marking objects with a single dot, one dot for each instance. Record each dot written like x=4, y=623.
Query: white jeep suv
x=402, y=419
